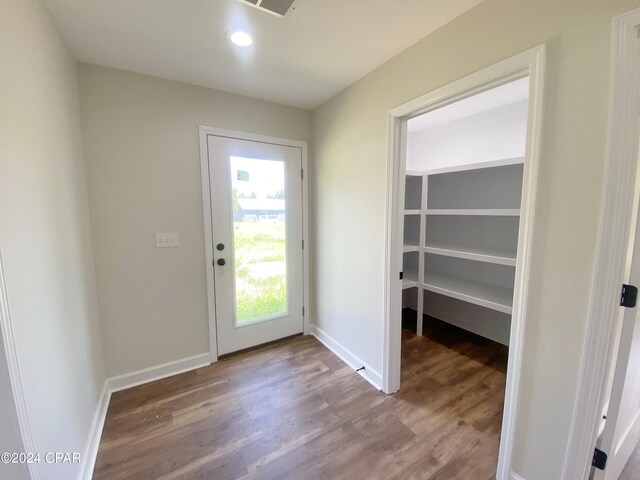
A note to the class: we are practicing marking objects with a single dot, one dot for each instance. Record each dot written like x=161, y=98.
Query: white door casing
x=529, y=63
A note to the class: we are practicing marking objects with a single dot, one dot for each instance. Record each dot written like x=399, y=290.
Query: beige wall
x=348, y=180
x=143, y=167
x=45, y=235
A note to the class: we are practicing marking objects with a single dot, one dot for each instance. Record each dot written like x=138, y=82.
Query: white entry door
x=256, y=205
x=621, y=432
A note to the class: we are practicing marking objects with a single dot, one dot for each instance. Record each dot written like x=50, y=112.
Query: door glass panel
x=259, y=239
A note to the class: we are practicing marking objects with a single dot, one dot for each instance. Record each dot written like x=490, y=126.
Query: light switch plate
x=167, y=240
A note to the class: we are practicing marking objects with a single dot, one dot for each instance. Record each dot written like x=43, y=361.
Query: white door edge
x=614, y=232
x=15, y=378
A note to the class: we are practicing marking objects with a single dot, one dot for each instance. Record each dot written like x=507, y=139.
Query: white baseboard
x=91, y=450
x=122, y=382
x=515, y=476
x=369, y=374
x=151, y=374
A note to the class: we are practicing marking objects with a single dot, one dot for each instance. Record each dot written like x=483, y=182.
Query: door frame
x=204, y=132
x=621, y=164
x=8, y=350
x=528, y=63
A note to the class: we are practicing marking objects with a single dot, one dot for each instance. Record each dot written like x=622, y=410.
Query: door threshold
x=261, y=346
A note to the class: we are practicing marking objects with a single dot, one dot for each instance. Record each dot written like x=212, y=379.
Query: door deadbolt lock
x=221, y=262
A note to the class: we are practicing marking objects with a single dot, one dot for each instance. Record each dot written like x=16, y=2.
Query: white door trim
x=15, y=377
x=208, y=230
x=529, y=63
x=613, y=242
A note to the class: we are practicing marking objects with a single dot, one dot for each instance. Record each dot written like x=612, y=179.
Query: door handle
x=221, y=262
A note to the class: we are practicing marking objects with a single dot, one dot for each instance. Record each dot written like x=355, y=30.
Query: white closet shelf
x=487, y=255
x=487, y=212
x=472, y=166
x=410, y=248
x=482, y=294
x=407, y=283
x=410, y=277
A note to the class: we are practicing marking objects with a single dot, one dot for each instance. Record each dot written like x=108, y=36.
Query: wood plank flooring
x=295, y=411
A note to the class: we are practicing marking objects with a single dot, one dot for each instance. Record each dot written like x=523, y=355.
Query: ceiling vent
x=274, y=7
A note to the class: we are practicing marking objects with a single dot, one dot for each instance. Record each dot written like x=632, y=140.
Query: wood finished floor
x=295, y=411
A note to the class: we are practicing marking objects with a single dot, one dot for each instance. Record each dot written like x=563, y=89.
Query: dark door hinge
x=599, y=459
x=303, y=244
x=303, y=311
x=301, y=174
x=401, y=275
x=629, y=296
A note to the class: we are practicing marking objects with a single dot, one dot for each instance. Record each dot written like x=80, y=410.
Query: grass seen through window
x=260, y=256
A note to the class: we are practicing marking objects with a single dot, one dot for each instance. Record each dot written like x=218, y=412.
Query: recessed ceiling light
x=241, y=38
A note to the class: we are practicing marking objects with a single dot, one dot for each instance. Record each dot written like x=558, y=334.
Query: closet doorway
x=462, y=177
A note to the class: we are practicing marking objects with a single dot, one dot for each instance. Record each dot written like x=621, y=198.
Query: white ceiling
x=302, y=60
x=501, y=96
